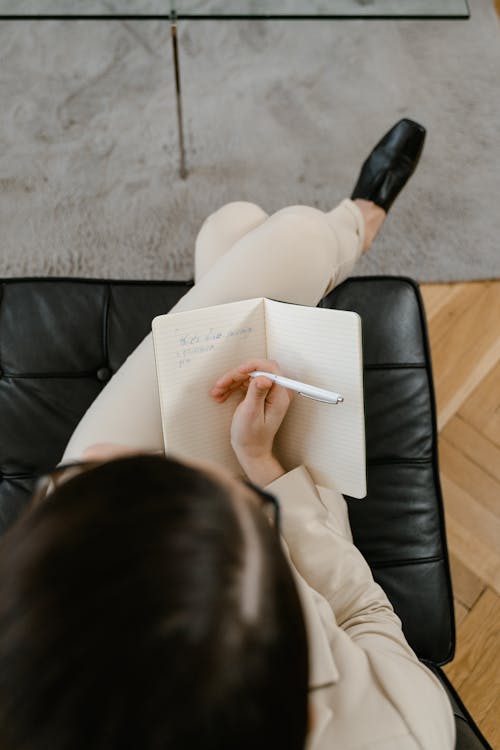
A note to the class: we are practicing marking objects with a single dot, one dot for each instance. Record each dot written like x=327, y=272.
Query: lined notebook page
x=321, y=347
x=192, y=350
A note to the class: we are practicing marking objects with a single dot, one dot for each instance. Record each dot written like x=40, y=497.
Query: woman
x=158, y=604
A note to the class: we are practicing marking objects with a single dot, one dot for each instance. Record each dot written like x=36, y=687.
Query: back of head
x=124, y=619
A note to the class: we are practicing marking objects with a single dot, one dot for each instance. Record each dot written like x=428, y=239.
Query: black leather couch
x=62, y=339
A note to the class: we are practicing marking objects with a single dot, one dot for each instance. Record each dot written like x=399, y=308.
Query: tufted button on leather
x=103, y=374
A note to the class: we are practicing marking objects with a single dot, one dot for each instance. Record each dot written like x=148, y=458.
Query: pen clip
x=323, y=401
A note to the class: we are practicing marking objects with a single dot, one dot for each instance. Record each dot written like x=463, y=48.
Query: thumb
x=259, y=389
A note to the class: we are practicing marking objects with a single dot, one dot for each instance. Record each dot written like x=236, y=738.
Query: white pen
x=309, y=391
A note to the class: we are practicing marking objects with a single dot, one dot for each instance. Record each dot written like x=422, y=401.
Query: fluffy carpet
x=278, y=112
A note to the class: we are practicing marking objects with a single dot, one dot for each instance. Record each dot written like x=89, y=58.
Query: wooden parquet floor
x=464, y=330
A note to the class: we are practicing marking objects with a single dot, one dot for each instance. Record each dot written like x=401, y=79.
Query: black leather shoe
x=390, y=164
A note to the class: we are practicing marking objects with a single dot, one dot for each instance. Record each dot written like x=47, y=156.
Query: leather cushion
x=62, y=339
x=399, y=527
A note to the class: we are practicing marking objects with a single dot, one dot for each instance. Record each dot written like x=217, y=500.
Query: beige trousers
x=296, y=255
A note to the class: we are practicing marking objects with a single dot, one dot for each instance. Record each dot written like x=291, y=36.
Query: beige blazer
x=367, y=688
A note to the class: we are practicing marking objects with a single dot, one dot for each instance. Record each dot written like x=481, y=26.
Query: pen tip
x=340, y=399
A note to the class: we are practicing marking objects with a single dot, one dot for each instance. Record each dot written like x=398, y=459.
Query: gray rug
x=276, y=112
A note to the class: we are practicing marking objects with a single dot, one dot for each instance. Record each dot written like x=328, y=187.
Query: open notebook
x=318, y=346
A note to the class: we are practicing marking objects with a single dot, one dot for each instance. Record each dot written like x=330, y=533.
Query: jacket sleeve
x=368, y=642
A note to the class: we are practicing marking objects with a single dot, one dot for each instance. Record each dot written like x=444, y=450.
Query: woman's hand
x=257, y=418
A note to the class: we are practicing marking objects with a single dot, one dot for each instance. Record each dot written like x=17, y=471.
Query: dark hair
x=121, y=623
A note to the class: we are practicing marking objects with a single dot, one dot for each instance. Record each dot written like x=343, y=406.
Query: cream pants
x=298, y=254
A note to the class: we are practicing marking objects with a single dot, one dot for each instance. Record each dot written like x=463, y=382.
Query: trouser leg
x=221, y=230
x=296, y=255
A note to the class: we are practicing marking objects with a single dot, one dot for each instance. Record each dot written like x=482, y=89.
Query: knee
x=236, y=213
x=297, y=227
x=224, y=227
x=300, y=212
x=300, y=240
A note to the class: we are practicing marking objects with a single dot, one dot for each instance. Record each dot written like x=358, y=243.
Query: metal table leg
x=178, y=94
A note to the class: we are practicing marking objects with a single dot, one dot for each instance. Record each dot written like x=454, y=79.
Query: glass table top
x=230, y=9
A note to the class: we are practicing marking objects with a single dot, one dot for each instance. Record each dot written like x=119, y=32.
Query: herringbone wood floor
x=464, y=329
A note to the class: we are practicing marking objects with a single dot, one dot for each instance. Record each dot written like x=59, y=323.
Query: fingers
x=269, y=365
x=222, y=394
x=239, y=378
x=260, y=388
